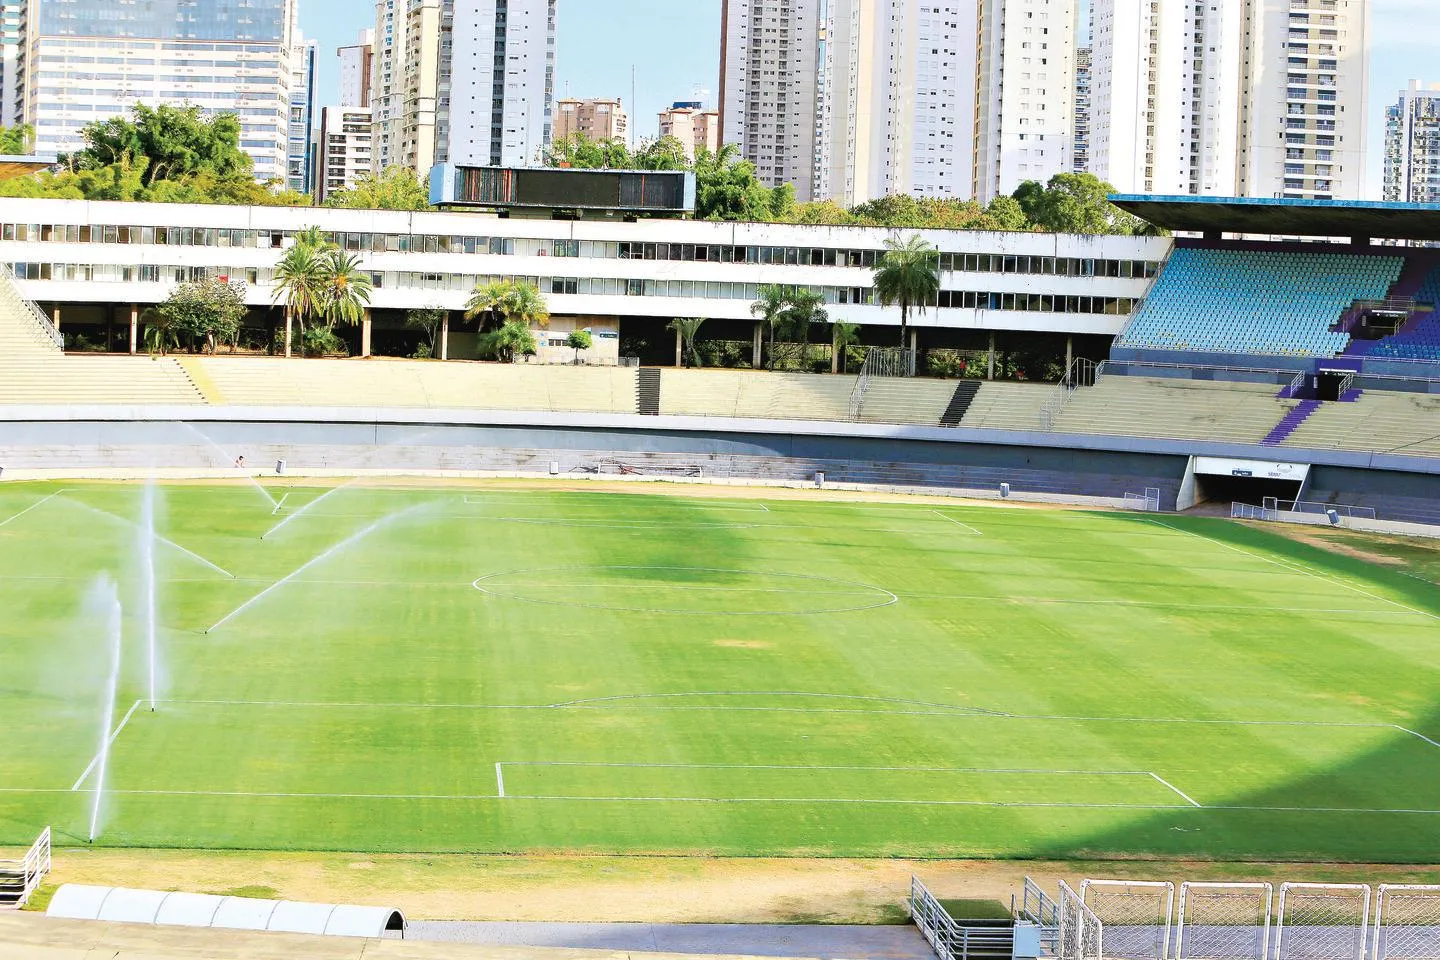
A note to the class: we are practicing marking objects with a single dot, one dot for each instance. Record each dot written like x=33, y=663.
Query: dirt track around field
x=640, y=889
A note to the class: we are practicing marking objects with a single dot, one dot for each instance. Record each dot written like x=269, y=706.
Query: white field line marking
x=303, y=510
x=642, y=765
x=113, y=736
x=383, y=521
x=864, y=800
x=158, y=539
x=1183, y=795
x=499, y=779
x=959, y=523
x=31, y=507
x=1297, y=568
x=1415, y=734
x=280, y=504
x=745, y=506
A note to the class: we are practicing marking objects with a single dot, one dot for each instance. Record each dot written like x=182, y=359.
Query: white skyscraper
x=222, y=58
x=356, y=62
x=501, y=82
x=1257, y=98
x=345, y=149
x=1412, y=146
x=10, y=16
x=1026, y=124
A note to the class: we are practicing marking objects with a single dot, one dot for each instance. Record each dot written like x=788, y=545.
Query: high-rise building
x=222, y=58
x=404, y=83
x=1412, y=146
x=10, y=16
x=598, y=119
x=345, y=149
x=1024, y=129
x=502, y=82
x=694, y=126
x=356, y=63
x=769, y=67
x=300, y=134
x=1253, y=98
x=1080, y=152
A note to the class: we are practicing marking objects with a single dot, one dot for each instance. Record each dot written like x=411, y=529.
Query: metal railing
x=1276, y=505
x=1037, y=906
x=46, y=324
x=32, y=868
x=1082, y=373
x=952, y=940
x=1148, y=502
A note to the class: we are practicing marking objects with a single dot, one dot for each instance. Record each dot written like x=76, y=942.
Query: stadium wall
x=79, y=441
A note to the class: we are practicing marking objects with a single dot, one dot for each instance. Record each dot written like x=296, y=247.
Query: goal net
x=1224, y=921
x=1407, y=923
x=1323, y=921
x=1135, y=916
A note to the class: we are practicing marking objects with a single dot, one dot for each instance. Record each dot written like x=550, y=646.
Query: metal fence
x=1128, y=920
x=1318, y=508
x=1149, y=501
x=19, y=878
x=1082, y=373
x=949, y=939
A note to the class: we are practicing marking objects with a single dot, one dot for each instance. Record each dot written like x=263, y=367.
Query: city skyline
x=676, y=51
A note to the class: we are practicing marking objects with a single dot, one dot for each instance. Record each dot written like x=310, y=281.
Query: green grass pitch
x=501, y=670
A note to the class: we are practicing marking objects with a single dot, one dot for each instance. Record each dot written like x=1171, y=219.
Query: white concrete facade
x=356, y=62
x=106, y=253
x=501, y=82
x=88, y=60
x=1412, y=146
x=1025, y=128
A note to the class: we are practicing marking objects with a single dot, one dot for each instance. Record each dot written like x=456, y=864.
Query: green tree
x=299, y=284
x=687, y=328
x=509, y=300
x=804, y=309
x=344, y=290
x=846, y=335
x=176, y=142
x=908, y=275
x=427, y=320
x=160, y=336
x=510, y=341
x=726, y=188
x=579, y=340
x=1007, y=214
x=662, y=153
x=17, y=141
x=770, y=311
x=208, y=312
x=394, y=188
x=1075, y=203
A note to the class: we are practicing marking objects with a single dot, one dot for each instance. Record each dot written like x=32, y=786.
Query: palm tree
x=345, y=288
x=686, y=328
x=908, y=275
x=298, y=283
x=160, y=333
x=511, y=340
x=315, y=239
x=525, y=303
x=486, y=298
x=846, y=335
x=770, y=310
x=803, y=308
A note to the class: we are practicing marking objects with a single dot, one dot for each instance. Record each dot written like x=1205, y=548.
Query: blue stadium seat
x=1257, y=301
x=1417, y=340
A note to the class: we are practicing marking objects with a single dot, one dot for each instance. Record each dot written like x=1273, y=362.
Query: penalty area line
x=499, y=779
x=280, y=504
x=113, y=737
x=1183, y=795
x=32, y=506
x=958, y=523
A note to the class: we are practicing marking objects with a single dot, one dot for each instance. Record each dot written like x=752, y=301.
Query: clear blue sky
x=674, y=46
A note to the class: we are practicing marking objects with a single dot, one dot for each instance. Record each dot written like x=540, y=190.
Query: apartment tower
x=598, y=119
x=1412, y=146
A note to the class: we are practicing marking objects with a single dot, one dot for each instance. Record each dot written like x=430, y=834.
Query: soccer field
x=495, y=669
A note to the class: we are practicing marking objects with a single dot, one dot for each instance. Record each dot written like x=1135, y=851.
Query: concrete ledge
x=25, y=936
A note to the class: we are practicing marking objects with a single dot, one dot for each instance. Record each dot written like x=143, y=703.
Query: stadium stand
x=1007, y=406
x=739, y=393
x=54, y=378
x=273, y=381
x=1254, y=299
x=1418, y=338
x=1175, y=409
x=1391, y=422
x=21, y=333
x=892, y=400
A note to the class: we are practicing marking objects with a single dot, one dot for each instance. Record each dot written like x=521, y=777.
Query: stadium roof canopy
x=12, y=167
x=1288, y=218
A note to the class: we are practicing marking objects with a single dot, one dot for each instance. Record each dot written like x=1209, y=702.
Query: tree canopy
x=163, y=154
x=395, y=188
x=17, y=141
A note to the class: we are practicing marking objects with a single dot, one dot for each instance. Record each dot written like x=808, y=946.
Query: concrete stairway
x=22, y=333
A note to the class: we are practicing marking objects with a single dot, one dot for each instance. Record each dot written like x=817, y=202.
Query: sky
x=673, y=47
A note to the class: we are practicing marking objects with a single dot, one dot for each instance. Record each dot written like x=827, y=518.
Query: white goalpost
x=1322, y=921
x=1224, y=921
x=1407, y=923
x=1135, y=915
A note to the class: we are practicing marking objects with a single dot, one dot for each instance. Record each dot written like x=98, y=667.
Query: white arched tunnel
x=75, y=901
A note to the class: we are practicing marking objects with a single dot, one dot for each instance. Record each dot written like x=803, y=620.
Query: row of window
x=590, y=286
x=602, y=249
